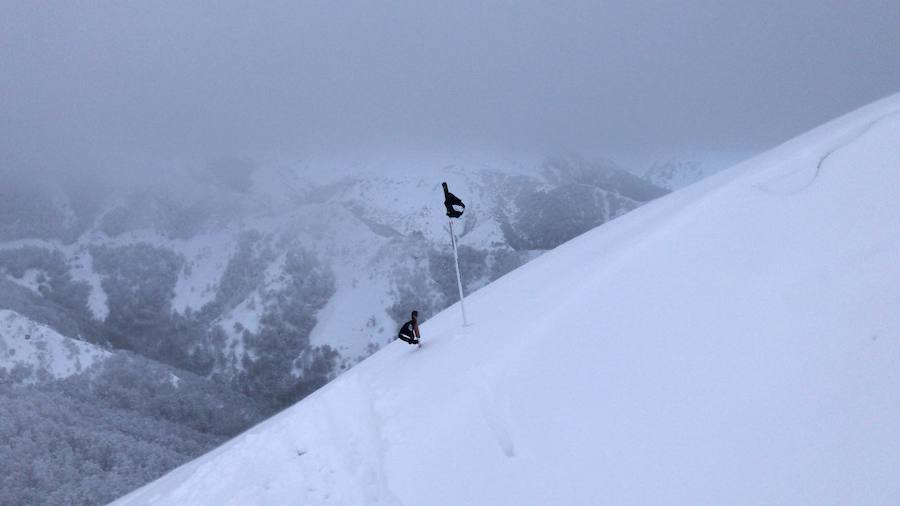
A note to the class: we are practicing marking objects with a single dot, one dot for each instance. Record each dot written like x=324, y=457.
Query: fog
x=234, y=202
x=125, y=84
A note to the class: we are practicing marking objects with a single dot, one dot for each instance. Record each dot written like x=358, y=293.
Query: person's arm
x=416, y=330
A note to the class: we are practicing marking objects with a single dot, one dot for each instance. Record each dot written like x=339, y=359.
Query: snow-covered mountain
x=275, y=277
x=82, y=424
x=737, y=342
x=675, y=174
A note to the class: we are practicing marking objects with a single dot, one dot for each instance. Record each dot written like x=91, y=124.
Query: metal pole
x=462, y=302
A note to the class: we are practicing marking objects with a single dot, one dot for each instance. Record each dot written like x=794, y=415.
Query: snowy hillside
x=41, y=349
x=676, y=174
x=737, y=342
x=276, y=277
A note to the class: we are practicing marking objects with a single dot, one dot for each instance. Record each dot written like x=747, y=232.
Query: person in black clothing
x=409, y=331
x=452, y=203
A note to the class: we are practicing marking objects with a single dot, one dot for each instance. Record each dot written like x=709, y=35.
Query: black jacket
x=409, y=331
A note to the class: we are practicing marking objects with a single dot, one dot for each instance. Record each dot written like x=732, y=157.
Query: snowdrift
x=736, y=342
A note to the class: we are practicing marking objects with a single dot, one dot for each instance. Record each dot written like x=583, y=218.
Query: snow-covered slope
x=24, y=342
x=675, y=174
x=737, y=342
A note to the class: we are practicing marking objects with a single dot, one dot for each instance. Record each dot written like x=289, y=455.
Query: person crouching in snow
x=409, y=331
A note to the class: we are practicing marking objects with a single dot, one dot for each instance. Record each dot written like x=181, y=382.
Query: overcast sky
x=85, y=83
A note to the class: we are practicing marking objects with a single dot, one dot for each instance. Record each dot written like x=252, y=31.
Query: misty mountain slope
x=227, y=269
x=733, y=343
x=676, y=174
x=81, y=425
x=25, y=343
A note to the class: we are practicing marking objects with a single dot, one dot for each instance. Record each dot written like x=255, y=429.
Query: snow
x=351, y=338
x=30, y=280
x=208, y=257
x=351, y=213
x=82, y=268
x=736, y=342
x=676, y=174
x=80, y=263
x=675, y=171
x=25, y=342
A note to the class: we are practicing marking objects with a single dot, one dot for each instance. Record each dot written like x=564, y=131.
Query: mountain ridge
x=217, y=251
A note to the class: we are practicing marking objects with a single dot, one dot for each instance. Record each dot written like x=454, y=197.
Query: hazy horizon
x=117, y=85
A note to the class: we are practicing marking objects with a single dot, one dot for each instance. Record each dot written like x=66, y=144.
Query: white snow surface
x=208, y=256
x=676, y=174
x=82, y=269
x=25, y=342
x=736, y=342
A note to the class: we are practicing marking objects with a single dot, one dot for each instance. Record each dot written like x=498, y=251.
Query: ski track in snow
x=795, y=176
x=360, y=435
x=495, y=411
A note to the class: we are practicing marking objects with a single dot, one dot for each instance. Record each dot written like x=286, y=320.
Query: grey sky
x=90, y=82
